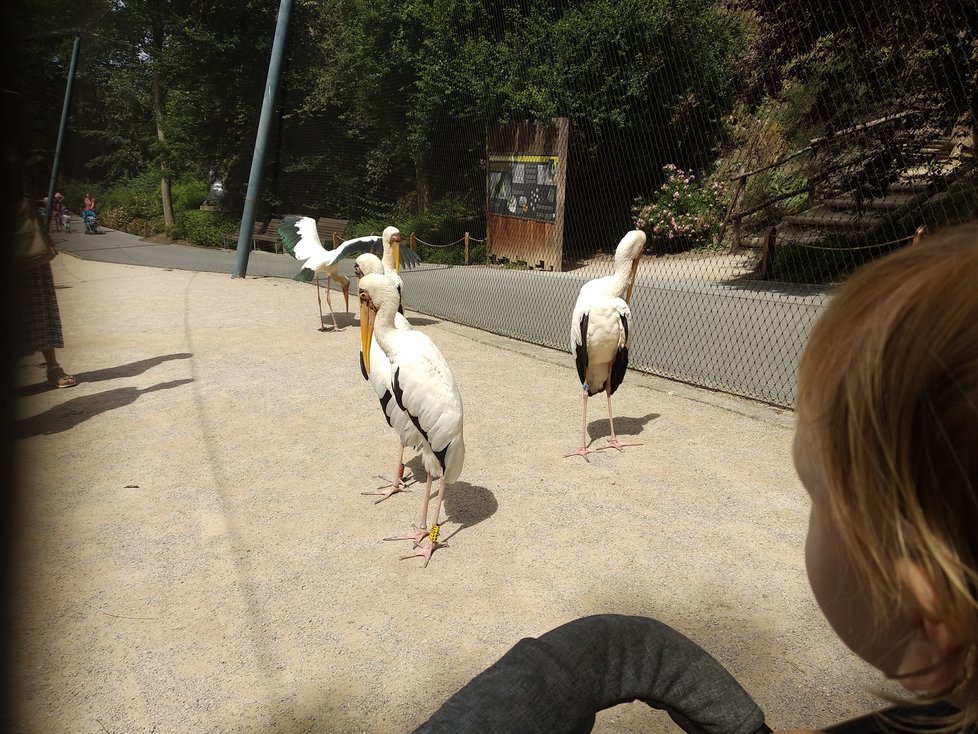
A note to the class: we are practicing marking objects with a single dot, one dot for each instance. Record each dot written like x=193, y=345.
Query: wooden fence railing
x=734, y=218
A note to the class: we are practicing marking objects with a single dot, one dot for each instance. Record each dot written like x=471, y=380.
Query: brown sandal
x=58, y=378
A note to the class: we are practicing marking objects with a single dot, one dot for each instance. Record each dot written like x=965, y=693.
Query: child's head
x=887, y=445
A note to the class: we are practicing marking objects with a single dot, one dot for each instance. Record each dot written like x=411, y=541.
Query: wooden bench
x=331, y=231
x=268, y=236
x=231, y=238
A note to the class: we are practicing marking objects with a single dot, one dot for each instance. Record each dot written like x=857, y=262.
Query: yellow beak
x=366, y=332
x=396, y=250
x=631, y=281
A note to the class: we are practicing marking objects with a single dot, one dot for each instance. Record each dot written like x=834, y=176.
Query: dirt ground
x=197, y=555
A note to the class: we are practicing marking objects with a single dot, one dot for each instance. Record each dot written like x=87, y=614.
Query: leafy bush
x=134, y=205
x=445, y=221
x=204, y=227
x=769, y=185
x=682, y=214
x=188, y=195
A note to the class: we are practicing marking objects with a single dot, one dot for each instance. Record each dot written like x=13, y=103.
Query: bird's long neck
x=622, y=274
x=384, y=324
x=388, y=258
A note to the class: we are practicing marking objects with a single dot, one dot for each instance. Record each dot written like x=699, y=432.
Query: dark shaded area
x=108, y=373
x=77, y=410
x=624, y=425
x=468, y=504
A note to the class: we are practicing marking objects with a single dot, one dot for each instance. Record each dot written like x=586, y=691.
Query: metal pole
x=61, y=131
x=261, y=140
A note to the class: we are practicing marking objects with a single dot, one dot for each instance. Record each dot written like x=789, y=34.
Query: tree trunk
x=164, y=164
x=421, y=184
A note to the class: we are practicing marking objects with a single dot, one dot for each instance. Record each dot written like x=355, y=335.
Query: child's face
x=833, y=579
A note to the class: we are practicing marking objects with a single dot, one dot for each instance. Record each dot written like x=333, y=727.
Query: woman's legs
x=55, y=373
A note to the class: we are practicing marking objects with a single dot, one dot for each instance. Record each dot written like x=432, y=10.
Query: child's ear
x=929, y=664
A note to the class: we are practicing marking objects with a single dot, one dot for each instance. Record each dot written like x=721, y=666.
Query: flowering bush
x=682, y=214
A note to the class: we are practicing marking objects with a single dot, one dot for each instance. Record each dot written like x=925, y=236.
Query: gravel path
x=196, y=555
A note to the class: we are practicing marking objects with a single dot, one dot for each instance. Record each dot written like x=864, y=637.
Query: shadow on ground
x=69, y=414
x=109, y=373
x=624, y=426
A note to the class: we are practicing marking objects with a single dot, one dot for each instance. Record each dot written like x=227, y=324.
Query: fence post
x=811, y=174
x=920, y=235
x=466, y=248
x=414, y=242
x=741, y=185
x=767, y=253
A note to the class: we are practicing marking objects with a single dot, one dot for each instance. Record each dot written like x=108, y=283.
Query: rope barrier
x=851, y=249
x=450, y=244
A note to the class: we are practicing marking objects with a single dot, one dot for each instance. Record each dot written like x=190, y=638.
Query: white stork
x=379, y=377
x=599, y=332
x=424, y=388
x=301, y=240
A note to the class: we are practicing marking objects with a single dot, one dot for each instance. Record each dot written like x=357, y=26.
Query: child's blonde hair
x=889, y=380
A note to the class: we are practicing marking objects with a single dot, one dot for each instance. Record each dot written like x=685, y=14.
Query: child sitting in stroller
x=91, y=222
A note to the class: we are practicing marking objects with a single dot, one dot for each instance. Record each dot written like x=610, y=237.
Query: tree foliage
x=385, y=105
x=412, y=86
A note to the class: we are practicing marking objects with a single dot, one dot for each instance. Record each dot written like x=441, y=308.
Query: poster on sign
x=523, y=186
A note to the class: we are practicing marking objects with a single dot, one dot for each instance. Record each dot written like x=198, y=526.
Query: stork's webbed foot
x=385, y=491
x=614, y=443
x=425, y=550
x=583, y=451
x=417, y=536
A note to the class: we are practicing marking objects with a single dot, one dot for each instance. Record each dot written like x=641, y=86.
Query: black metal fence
x=765, y=164
x=766, y=148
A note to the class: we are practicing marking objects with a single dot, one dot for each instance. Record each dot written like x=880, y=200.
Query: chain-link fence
x=766, y=148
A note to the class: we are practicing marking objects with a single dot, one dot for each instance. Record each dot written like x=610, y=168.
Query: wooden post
x=414, y=242
x=741, y=185
x=811, y=174
x=466, y=248
x=920, y=235
x=767, y=253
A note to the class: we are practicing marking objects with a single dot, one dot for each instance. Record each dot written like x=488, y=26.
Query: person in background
x=37, y=320
x=88, y=202
x=57, y=211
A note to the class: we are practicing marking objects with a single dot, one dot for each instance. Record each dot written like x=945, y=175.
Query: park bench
x=231, y=238
x=331, y=231
x=268, y=236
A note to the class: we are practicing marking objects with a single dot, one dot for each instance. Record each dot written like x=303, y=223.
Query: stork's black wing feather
x=620, y=365
x=580, y=357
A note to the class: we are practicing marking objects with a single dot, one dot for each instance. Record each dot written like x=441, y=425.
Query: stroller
x=91, y=222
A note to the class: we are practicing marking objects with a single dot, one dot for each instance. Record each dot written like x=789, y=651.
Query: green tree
x=417, y=83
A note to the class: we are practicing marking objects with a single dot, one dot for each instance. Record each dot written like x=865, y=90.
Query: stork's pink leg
x=425, y=546
x=336, y=327
x=397, y=485
x=613, y=442
x=422, y=530
x=584, y=450
x=319, y=300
